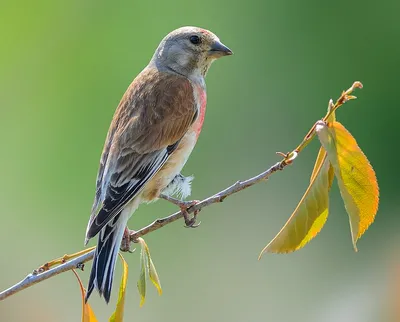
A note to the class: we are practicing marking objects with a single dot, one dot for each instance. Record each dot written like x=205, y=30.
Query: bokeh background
x=64, y=65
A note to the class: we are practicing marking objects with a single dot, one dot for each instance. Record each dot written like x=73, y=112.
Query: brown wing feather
x=154, y=114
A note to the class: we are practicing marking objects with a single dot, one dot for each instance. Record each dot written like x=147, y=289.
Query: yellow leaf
x=310, y=214
x=118, y=315
x=87, y=312
x=356, y=177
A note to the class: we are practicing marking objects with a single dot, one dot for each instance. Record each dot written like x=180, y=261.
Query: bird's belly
x=171, y=168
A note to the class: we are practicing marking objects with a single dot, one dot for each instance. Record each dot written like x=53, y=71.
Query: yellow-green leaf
x=87, y=312
x=118, y=315
x=141, y=284
x=147, y=268
x=153, y=273
x=310, y=214
x=356, y=177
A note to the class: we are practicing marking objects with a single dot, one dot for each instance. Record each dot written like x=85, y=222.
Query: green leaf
x=355, y=175
x=118, y=315
x=147, y=268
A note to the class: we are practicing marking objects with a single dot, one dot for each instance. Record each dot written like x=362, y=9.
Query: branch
x=80, y=258
x=42, y=274
x=36, y=277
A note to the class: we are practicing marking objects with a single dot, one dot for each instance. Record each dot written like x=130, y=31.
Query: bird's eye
x=195, y=40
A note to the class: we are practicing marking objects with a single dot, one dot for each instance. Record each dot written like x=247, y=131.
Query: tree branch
x=44, y=272
x=39, y=275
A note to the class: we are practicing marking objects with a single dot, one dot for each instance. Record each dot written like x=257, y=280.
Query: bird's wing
x=152, y=117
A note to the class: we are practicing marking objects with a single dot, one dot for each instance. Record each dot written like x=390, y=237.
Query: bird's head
x=189, y=51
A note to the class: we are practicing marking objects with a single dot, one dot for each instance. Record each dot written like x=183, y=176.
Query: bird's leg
x=184, y=206
x=126, y=241
x=180, y=203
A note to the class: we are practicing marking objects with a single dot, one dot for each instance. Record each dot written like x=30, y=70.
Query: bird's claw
x=184, y=206
x=126, y=241
x=125, y=247
x=191, y=222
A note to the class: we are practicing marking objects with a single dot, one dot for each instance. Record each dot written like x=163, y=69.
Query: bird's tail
x=109, y=242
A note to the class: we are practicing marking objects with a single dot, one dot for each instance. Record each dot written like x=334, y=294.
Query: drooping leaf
x=153, y=273
x=147, y=269
x=118, y=315
x=141, y=284
x=87, y=312
x=310, y=214
x=356, y=178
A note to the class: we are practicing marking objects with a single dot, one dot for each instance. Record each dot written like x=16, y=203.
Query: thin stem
x=35, y=278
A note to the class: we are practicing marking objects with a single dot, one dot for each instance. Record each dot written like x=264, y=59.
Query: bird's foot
x=190, y=222
x=126, y=241
x=184, y=206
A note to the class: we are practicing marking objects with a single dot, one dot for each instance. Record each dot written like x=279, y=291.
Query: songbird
x=153, y=132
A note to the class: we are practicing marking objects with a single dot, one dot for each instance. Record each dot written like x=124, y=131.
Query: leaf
x=141, y=284
x=147, y=268
x=118, y=315
x=356, y=178
x=87, y=312
x=310, y=214
x=153, y=274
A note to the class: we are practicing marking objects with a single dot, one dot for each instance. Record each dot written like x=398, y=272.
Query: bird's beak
x=218, y=49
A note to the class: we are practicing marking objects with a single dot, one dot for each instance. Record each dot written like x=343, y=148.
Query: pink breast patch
x=202, y=96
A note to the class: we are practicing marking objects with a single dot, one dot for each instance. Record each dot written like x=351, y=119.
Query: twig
x=37, y=277
x=218, y=197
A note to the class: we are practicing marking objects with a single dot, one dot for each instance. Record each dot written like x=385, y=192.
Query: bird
x=153, y=131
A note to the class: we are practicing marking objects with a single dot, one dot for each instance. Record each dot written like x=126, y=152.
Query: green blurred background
x=64, y=65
